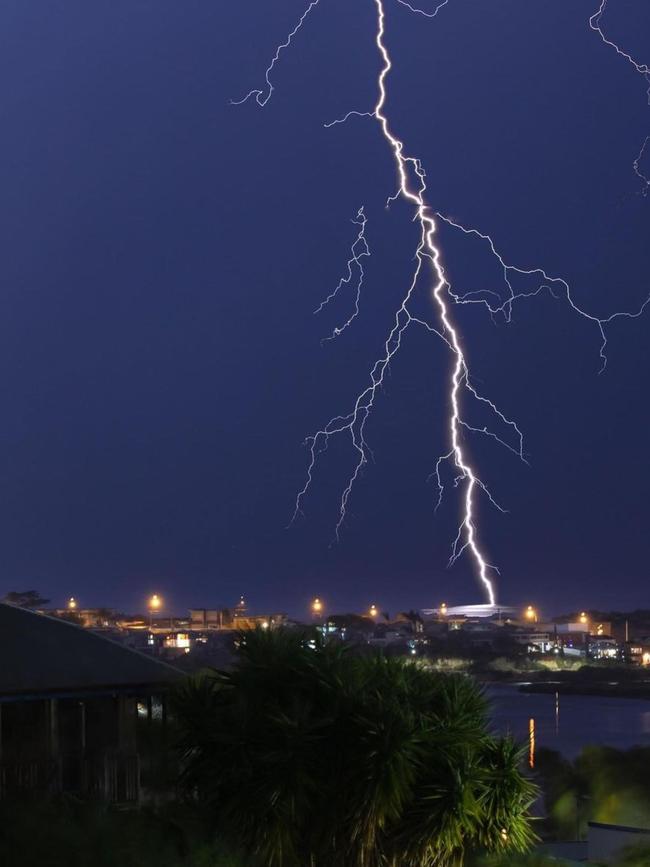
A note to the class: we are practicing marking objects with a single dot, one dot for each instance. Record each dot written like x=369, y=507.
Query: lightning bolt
x=636, y=165
x=358, y=251
x=412, y=188
x=547, y=284
x=263, y=96
x=642, y=68
x=422, y=11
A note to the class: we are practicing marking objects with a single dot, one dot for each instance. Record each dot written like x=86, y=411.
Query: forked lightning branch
x=461, y=390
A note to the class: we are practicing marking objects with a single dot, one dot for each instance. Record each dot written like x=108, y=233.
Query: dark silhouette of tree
x=26, y=599
x=412, y=617
x=318, y=758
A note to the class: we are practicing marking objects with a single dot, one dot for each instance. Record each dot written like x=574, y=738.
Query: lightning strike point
x=412, y=187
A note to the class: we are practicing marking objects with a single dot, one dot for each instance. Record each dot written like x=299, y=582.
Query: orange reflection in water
x=531, y=742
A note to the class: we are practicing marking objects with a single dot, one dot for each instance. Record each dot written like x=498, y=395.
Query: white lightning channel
x=642, y=68
x=422, y=11
x=636, y=165
x=427, y=249
x=263, y=96
x=412, y=188
x=358, y=251
x=546, y=283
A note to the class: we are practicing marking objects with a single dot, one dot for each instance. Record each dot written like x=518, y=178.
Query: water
x=567, y=723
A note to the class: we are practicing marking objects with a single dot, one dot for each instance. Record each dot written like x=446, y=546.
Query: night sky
x=163, y=253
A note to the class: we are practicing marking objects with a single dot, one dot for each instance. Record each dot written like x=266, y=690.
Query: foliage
x=67, y=832
x=534, y=859
x=603, y=785
x=26, y=599
x=445, y=664
x=318, y=757
x=412, y=617
x=635, y=856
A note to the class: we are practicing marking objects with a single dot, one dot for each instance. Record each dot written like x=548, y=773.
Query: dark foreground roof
x=40, y=654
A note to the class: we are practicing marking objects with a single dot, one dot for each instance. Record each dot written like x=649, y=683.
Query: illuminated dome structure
x=471, y=611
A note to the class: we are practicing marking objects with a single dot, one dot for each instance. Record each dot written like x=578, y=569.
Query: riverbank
x=603, y=689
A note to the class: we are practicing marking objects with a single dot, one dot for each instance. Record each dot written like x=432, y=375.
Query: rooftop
x=43, y=655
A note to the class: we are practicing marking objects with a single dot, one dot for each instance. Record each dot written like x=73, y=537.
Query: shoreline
x=602, y=690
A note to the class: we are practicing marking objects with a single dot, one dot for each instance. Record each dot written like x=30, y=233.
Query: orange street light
x=72, y=603
x=583, y=617
x=155, y=604
x=443, y=609
x=317, y=607
x=373, y=611
x=531, y=614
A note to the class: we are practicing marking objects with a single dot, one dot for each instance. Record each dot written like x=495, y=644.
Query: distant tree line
x=26, y=599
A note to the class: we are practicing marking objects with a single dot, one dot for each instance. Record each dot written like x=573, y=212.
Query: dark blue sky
x=163, y=252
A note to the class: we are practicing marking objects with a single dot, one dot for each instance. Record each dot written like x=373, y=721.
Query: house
x=638, y=652
x=603, y=647
x=69, y=704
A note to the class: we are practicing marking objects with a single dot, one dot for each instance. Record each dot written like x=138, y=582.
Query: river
x=567, y=723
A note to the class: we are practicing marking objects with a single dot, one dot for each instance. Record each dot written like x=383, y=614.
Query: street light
x=373, y=611
x=443, y=609
x=317, y=607
x=72, y=603
x=155, y=604
x=531, y=614
x=583, y=617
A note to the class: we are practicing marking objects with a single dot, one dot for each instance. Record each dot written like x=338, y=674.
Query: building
x=209, y=618
x=536, y=640
x=90, y=618
x=603, y=647
x=638, y=652
x=69, y=703
x=253, y=621
x=203, y=619
x=496, y=612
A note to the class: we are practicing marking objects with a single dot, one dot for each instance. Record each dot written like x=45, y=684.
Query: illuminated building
x=178, y=641
x=207, y=618
x=603, y=647
x=471, y=611
x=638, y=653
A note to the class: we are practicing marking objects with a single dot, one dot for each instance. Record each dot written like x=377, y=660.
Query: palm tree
x=316, y=757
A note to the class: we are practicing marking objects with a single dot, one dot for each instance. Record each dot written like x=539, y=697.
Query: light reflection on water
x=568, y=723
